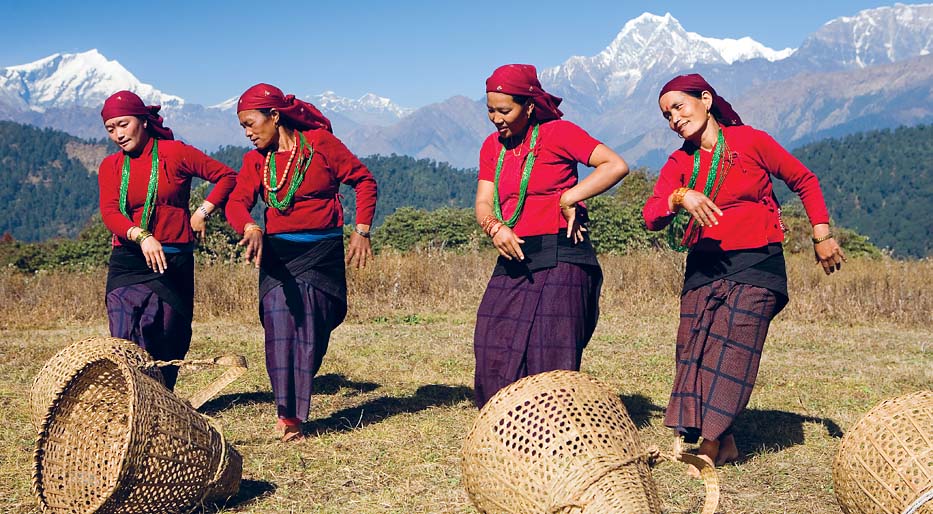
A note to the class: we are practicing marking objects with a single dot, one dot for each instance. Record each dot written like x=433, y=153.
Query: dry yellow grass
x=393, y=398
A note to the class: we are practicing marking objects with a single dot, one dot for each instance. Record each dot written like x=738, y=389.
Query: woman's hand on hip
x=199, y=224
x=508, y=244
x=575, y=229
x=155, y=257
x=360, y=251
x=701, y=208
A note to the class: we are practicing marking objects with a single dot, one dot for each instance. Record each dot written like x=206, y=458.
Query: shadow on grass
x=250, y=492
x=324, y=384
x=379, y=409
x=640, y=408
x=775, y=430
x=333, y=382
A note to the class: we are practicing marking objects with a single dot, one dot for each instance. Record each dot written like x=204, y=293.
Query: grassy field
x=393, y=399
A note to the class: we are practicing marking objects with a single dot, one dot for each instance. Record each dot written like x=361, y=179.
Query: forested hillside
x=44, y=191
x=879, y=183
x=403, y=182
x=876, y=183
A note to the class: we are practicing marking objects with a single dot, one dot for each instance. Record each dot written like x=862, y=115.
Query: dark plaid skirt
x=138, y=314
x=534, y=323
x=298, y=319
x=723, y=326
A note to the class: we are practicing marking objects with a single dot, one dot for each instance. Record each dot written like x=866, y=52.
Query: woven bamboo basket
x=562, y=443
x=64, y=365
x=885, y=462
x=115, y=440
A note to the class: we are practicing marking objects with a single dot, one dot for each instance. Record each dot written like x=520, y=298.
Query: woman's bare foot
x=289, y=431
x=709, y=451
x=728, y=452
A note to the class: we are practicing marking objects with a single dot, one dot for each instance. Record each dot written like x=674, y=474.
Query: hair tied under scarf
x=695, y=83
x=522, y=80
x=128, y=103
x=300, y=114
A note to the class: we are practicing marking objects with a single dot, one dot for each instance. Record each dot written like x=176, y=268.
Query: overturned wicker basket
x=114, y=440
x=559, y=443
x=64, y=365
x=884, y=464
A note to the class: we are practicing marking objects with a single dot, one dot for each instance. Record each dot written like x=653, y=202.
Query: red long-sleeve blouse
x=178, y=163
x=316, y=204
x=750, y=213
x=560, y=146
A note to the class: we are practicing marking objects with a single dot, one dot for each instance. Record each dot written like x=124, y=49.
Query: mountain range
x=869, y=70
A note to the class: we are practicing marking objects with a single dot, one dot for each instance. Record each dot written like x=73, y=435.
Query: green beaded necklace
x=523, y=186
x=678, y=227
x=301, y=166
x=150, y=192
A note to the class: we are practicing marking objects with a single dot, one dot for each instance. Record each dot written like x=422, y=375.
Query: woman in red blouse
x=715, y=196
x=144, y=192
x=297, y=168
x=542, y=302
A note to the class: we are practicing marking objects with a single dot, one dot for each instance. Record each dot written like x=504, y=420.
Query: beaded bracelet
x=821, y=239
x=489, y=222
x=203, y=211
x=677, y=199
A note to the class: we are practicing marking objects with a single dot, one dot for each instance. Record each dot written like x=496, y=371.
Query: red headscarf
x=300, y=114
x=522, y=80
x=127, y=103
x=695, y=83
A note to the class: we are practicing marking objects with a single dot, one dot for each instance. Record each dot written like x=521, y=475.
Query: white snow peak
x=84, y=79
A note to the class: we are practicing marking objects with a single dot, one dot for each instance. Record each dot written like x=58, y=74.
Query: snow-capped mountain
x=871, y=37
x=367, y=109
x=73, y=80
x=369, y=103
x=647, y=46
x=612, y=94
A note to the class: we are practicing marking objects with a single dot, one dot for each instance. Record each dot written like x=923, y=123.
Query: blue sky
x=415, y=52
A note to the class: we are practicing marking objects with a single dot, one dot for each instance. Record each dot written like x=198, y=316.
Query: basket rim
x=132, y=391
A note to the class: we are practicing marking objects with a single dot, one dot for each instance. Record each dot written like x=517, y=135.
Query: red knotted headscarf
x=695, y=83
x=300, y=114
x=522, y=80
x=127, y=103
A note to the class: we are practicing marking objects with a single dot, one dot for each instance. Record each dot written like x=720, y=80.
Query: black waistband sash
x=319, y=263
x=175, y=286
x=543, y=252
x=762, y=267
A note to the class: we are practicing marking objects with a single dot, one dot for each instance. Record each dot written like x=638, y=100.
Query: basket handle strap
x=707, y=473
x=236, y=367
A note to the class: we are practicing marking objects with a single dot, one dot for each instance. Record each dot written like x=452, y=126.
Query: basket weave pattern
x=557, y=442
x=62, y=367
x=885, y=462
x=114, y=440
